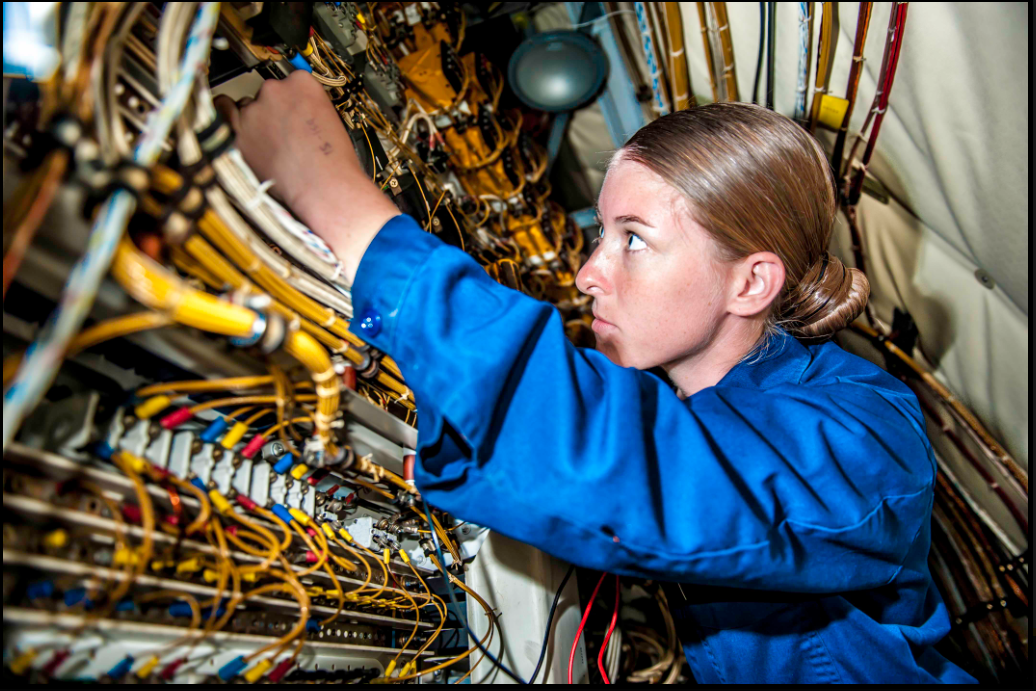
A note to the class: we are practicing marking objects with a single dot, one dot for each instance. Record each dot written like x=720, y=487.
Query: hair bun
x=829, y=298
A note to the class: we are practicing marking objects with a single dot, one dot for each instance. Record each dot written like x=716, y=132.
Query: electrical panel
x=207, y=476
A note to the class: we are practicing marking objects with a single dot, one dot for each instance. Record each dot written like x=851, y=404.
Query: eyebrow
x=627, y=218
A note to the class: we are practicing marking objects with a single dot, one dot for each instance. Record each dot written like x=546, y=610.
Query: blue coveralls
x=798, y=490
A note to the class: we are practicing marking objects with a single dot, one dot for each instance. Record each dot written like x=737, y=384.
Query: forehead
x=632, y=189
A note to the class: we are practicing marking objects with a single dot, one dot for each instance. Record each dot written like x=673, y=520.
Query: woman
x=785, y=485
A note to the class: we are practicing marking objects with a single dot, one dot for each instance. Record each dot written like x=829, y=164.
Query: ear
x=757, y=281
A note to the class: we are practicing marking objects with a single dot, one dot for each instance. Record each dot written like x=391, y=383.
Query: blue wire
x=453, y=600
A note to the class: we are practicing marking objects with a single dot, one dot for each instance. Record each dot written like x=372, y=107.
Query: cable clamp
x=259, y=197
x=215, y=138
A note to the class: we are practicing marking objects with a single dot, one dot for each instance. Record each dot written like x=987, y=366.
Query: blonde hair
x=758, y=182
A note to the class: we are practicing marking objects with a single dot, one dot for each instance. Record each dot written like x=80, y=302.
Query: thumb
x=226, y=107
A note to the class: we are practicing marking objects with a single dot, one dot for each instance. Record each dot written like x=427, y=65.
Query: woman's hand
x=292, y=135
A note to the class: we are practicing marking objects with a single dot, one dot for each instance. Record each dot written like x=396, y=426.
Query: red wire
x=608, y=636
x=579, y=631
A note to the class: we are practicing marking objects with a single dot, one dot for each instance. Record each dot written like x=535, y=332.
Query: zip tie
x=259, y=197
x=676, y=54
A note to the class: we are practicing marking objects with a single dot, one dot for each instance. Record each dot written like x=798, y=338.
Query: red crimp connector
x=408, y=467
x=317, y=475
x=52, y=665
x=312, y=532
x=131, y=512
x=172, y=519
x=231, y=529
x=349, y=377
x=253, y=446
x=280, y=670
x=351, y=498
x=176, y=418
x=246, y=503
x=311, y=557
x=331, y=492
x=170, y=670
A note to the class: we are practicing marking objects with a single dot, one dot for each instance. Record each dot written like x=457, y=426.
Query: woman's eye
x=635, y=243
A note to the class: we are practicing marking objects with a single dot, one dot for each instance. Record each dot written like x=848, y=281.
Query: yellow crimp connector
x=189, y=566
x=302, y=518
x=21, y=664
x=220, y=502
x=327, y=530
x=314, y=591
x=56, y=539
x=390, y=669
x=151, y=407
x=404, y=556
x=231, y=438
x=408, y=669
x=149, y=667
x=161, y=565
x=136, y=463
x=298, y=471
x=124, y=557
x=345, y=535
x=211, y=576
x=256, y=673
x=386, y=555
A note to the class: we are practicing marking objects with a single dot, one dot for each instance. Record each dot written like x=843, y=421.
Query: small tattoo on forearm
x=325, y=147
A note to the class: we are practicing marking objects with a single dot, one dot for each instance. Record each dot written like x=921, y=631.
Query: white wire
x=800, y=82
x=44, y=356
x=601, y=18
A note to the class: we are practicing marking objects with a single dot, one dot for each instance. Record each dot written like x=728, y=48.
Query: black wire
x=771, y=35
x=453, y=600
x=762, y=48
x=550, y=620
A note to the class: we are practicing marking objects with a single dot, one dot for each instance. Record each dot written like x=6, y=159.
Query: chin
x=611, y=351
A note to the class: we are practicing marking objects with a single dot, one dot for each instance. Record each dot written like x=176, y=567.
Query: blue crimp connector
x=200, y=485
x=121, y=668
x=40, y=589
x=214, y=432
x=104, y=450
x=281, y=512
x=232, y=668
x=299, y=63
x=312, y=626
x=125, y=606
x=182, y=609
x=77, y=596
x=284, y=463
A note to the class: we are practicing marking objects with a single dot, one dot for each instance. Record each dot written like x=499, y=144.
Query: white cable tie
x=676, y=54
x=880, y=111
x=337, y=272
x=259, y=197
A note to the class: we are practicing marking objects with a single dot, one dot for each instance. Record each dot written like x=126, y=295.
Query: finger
x=226, y=107
x=244, y=101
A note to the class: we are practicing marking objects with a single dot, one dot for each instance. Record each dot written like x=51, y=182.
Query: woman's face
x=658, y=286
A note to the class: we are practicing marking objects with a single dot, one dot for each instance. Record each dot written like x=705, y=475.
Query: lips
x=601, y=325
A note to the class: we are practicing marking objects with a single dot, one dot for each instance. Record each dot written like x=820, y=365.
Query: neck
x=732, y=340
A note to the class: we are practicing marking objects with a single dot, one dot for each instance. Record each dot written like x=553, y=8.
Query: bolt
x=217, y=454
x=393, y=182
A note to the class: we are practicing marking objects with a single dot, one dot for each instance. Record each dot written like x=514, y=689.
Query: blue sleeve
x=797, y=488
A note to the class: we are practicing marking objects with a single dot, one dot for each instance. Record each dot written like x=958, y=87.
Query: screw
x=393, y=182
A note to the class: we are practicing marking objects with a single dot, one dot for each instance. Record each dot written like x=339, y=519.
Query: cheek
x=668, y=311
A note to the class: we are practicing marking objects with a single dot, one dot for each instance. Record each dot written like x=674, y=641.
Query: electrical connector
x=256, y=673
x=121, y=668
x=232, y=668
x=169, y=671
x=214, y=431
x=281, y=512
x=21, y=664
x=40, y=589
x=151, y=407
x=145, y=671
x=176, y=418
x=298, y=471
x=55, y=662
x=284, y=463
x=219, y=502
x=253, y=446
x=280, y=670
x=188, y=566
x=246, y=503
x=302, y=518
x=231, y=438
x=56, y=539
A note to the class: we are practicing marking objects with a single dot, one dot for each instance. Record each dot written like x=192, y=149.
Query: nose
x=592, y=278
